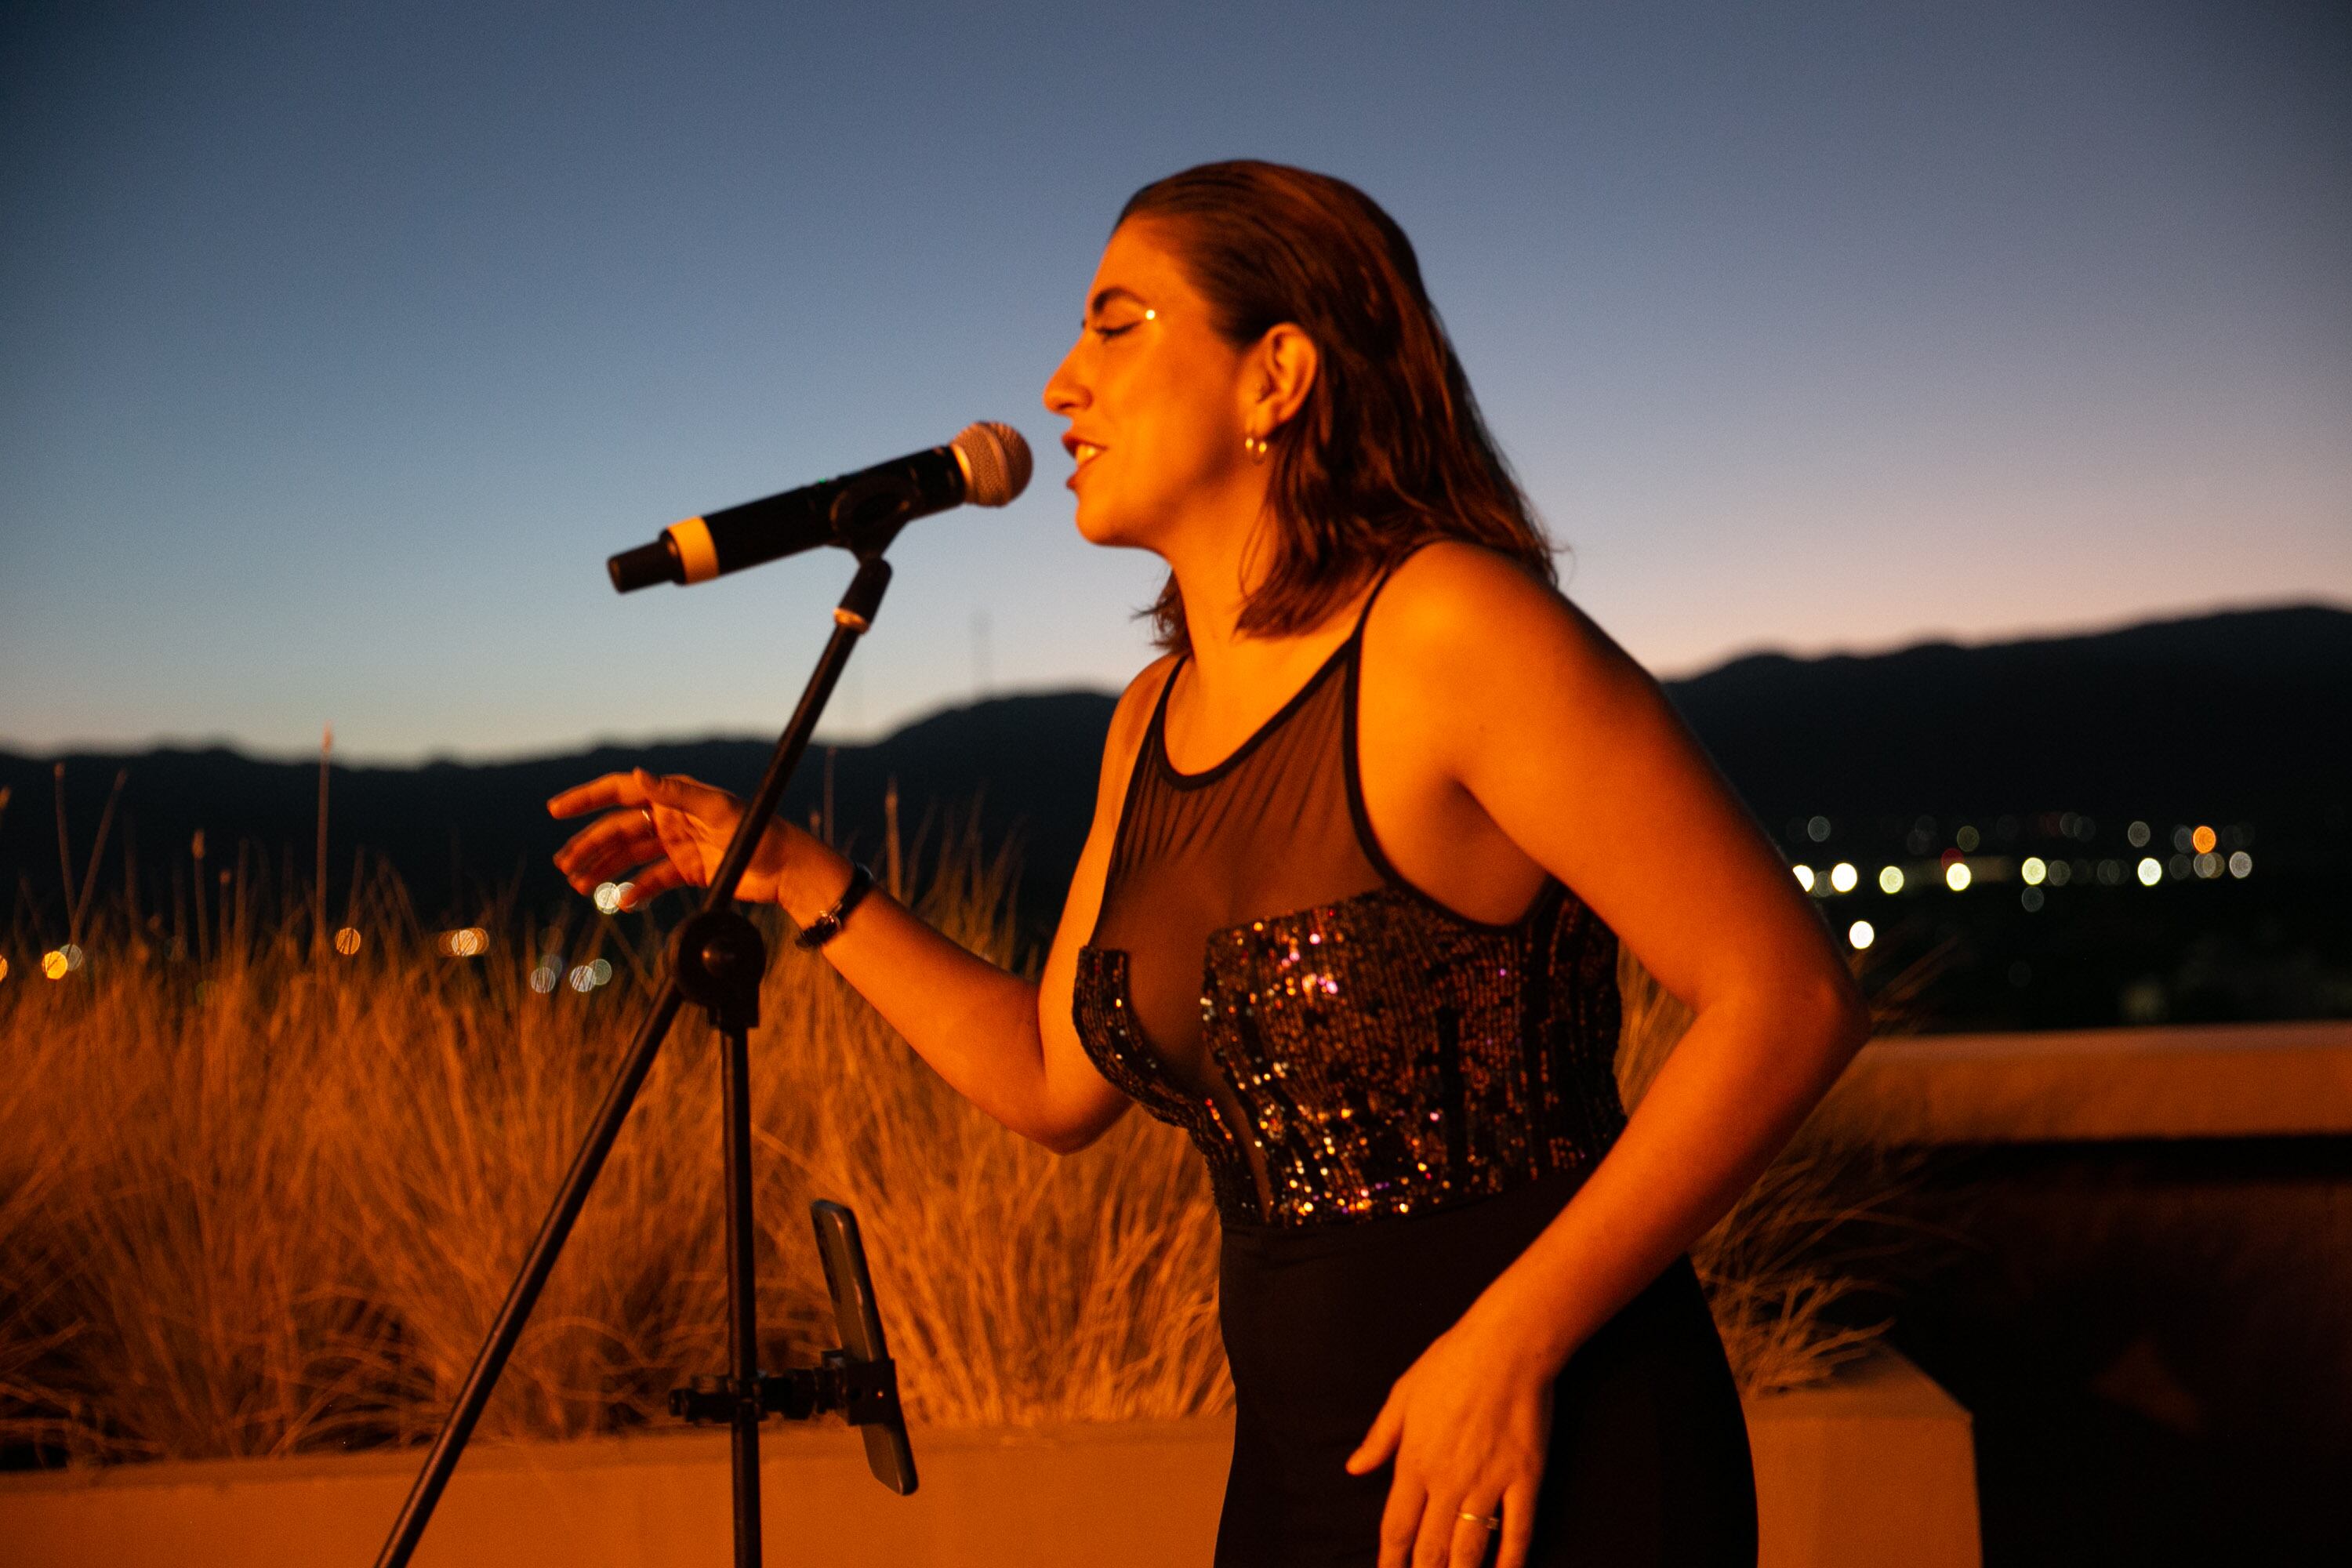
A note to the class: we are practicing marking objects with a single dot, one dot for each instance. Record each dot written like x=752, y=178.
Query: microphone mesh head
x=996, y=458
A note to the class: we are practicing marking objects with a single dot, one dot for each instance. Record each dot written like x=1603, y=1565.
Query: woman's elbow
x=1811, y=1012
x=1070, y=1135
x=1069, y=1140
x=1839, y=1017
x=1803, y=1001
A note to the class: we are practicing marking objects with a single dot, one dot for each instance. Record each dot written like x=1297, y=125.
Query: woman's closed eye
x=1112, y=329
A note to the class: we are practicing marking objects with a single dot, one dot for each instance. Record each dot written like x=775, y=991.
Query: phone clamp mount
x=861, y=1392
x=717, y=958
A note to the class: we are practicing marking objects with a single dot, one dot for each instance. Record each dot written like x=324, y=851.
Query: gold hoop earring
x=1256, y=446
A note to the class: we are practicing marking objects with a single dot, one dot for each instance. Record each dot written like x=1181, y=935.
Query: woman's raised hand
x=664, y=832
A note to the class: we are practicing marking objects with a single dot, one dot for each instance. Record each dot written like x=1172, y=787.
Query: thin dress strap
x=1356, y=637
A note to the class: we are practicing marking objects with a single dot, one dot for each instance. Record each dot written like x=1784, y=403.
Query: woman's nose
x=1064, y=394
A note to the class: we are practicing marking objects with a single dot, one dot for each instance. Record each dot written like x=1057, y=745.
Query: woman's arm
x=1006, y=1044
x=1577, y=756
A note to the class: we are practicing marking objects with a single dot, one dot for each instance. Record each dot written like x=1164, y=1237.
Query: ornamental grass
x=262, y=1196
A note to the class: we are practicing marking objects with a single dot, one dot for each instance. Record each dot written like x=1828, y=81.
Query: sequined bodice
x=1371, y=1053
x=1387, y=1058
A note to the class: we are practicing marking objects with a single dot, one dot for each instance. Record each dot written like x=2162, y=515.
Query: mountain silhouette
x=1020, y=768
x=2242, y=714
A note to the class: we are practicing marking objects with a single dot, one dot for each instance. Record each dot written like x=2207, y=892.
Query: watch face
x=826, y=926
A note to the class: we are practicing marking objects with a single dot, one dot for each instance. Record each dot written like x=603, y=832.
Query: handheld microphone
x=987, y=465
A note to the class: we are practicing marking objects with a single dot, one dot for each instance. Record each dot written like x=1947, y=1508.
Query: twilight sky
x=339, y=344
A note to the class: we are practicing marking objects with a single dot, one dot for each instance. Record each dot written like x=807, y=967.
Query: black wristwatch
x=827, y=926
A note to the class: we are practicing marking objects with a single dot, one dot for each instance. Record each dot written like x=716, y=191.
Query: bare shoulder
x=1457, y=610
x=1128, y=722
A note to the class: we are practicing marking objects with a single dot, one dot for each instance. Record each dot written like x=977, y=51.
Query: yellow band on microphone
x=696, y=552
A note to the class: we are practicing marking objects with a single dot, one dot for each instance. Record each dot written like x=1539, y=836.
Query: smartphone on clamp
x=887, y=1454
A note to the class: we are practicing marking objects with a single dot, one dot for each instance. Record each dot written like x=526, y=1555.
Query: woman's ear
x=1283, y=366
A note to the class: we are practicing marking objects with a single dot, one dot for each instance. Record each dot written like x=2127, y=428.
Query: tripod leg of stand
x=742, y=1299
x=491, y=1359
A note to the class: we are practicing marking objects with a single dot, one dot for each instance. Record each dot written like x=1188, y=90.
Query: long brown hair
x=1389, y=450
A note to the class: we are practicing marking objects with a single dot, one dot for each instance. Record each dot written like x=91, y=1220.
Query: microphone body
x=988, y=465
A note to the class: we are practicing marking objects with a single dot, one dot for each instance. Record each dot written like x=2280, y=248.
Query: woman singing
x=1367, y=837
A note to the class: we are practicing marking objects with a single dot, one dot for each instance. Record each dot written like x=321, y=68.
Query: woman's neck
x=1239, y=678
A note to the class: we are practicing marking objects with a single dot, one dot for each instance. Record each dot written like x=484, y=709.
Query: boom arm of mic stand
x=850, y=619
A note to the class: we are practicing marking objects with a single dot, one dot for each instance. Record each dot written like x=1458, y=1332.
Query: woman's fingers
x=1472, y=1536
x=1400, y=1519
x=1440, y=1524
x=1380, y=1442
x=604, y=829
x=612, y=843
x=652, y=882
x=1518, y=1511
x=663, y=818
x=691, y=795
x=638, y=787
x=668, y=826
x=686, y=838
x=612, y=789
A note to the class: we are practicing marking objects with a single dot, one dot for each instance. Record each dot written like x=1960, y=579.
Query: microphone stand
x=716, y=960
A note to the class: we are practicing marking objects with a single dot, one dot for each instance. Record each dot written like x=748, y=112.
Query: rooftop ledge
x=1876, y=1467
x=2223, y=1080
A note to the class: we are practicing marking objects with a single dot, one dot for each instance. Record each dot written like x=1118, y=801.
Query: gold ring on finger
x=1483, y=1520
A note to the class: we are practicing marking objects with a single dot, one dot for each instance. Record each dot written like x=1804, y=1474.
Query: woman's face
x=1154, y=398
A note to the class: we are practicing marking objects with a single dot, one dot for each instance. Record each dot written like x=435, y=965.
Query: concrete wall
x=2131, y=1257
x=2224, y=1081
x=1875, y=1469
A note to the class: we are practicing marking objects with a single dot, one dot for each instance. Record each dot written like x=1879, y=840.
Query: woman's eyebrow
x=1095, y=305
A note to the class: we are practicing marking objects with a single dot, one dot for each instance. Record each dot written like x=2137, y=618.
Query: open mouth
x=1085, y=452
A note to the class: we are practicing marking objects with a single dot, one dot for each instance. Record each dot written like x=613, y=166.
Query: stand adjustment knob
x=719, y=957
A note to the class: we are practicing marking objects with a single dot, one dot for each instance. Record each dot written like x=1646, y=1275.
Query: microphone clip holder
x=868, y=515
x=862, y=1392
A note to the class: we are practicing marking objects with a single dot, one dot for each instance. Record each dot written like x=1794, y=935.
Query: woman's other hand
x=664, y=832
x=1467, y=1426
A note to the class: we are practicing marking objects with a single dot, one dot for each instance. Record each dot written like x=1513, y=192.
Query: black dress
x=1394, y=1100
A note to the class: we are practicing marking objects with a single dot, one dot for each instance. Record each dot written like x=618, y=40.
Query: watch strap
x=827, y=926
